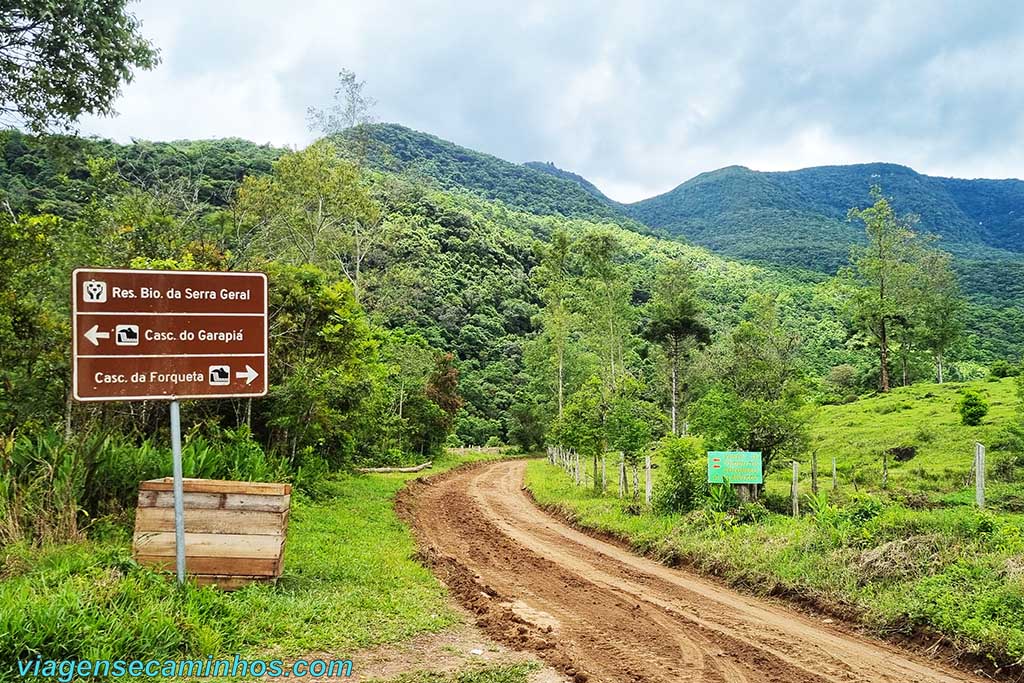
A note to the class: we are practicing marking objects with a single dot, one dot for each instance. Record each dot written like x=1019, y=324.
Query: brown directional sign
x=160, y=334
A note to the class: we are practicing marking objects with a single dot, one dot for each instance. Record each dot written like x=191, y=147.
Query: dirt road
x=597, y=612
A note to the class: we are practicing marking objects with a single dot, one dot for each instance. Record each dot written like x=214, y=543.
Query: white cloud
x=636, y=96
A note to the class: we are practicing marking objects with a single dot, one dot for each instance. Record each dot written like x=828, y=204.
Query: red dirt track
x=597, y=612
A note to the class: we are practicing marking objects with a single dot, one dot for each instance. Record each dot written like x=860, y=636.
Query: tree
x=557, y=320
x=443, y=387
x=632, y=425
x=884, y=272
x=608, y=311
x=759, y=402
x=674, y=322
x=350, y=112
x=582, y=425
x=314, y=209
x=942, y=307
x=59, y=60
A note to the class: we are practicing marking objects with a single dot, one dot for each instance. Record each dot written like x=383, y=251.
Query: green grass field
x=350, y=581
x=923, y=416
x=917, y=557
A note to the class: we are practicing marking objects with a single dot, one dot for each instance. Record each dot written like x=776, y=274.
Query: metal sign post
x=179, y=495
x=168, y=335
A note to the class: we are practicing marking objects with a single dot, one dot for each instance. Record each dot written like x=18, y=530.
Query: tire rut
x=596, y=612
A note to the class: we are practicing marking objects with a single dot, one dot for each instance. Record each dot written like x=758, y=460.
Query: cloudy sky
x=636, y=96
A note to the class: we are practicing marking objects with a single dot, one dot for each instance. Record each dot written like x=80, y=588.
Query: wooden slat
x=258, y=488
x=222, y=566
x=209, y=545
x=202, y=521
x=215, y=501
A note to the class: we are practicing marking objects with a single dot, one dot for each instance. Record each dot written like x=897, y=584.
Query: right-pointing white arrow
x=94, y=335
x=249, y=375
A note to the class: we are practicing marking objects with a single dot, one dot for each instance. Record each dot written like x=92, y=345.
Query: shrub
x=863, y=509
x=1003, y=368
x=683, y=486
x=751, y=513
x=924, y=434
x=973, y=408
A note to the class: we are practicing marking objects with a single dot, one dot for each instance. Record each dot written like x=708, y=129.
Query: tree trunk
x=938, y=359
x=561, y=379
x=883, y=350
x=675, y=374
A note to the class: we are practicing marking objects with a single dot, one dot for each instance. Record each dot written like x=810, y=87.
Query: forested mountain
x=793, y=218
x=550, y=168
x=52, y=175
x=399, y=149
x=799, y=217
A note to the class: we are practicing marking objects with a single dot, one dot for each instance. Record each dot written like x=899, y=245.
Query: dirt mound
x=899, y=559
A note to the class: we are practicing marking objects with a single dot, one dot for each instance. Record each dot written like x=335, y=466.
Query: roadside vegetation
x=913, y=556
x=350, y=582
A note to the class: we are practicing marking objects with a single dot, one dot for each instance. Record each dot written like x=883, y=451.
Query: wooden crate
x=234, y=530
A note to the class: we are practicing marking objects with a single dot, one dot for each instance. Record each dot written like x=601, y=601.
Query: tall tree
x=758, y=404
x=350, y=112
x=609, y=313
x=675, y=321
x=554, y=276
x=941, y=306
x=884, y=271
x=59, y=60
x=314, y=208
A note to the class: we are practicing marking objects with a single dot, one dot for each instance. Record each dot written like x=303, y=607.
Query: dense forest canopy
x=455, y=268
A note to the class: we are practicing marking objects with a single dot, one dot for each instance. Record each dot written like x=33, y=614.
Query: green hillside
x=459, y=269
x=799, y=217
x=551, y=169
x=452, y=167
x=923, y=422
x=789, y=219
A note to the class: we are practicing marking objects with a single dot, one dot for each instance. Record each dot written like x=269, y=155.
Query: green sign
x=736, y=467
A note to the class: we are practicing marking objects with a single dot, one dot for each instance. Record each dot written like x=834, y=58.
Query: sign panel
x=161, y=334
x=735, y=467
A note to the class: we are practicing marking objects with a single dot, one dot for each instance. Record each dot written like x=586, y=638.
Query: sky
x=635, y=96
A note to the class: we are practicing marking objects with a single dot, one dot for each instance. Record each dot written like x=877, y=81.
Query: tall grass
x=51, y=487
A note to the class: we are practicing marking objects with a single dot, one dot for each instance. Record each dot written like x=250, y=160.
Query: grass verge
x=956, y=572
x=351, y=581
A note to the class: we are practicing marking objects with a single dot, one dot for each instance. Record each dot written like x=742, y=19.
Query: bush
x=1003, y=368
x=973, y=408
x=683, y=487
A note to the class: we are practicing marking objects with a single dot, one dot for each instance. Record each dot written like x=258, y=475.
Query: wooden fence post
x=622, y=476
x=835, y=482
x=814, y=473
x=885, y=469
x=794, y=489
x=979, y=475
x=647, y=482
x=604, y=474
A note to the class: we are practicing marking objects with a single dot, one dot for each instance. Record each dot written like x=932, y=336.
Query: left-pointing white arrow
x=94, y=335
x=249, y=375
